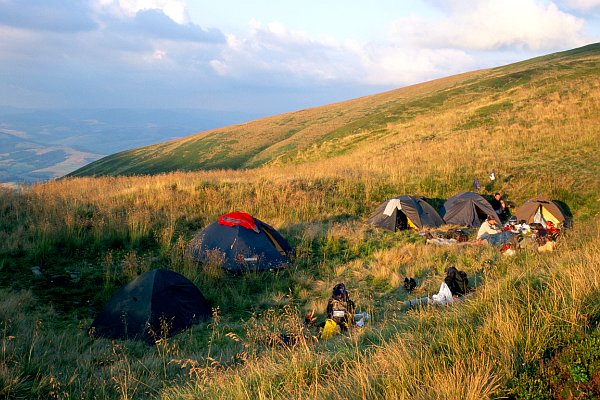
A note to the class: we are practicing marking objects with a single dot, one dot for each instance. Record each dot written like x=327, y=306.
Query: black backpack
x=410, y=284
x=457, y=281
x=340, y=308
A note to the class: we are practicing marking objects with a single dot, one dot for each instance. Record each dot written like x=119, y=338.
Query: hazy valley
x=37, y=145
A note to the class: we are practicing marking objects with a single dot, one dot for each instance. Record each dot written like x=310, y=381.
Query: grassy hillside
x=341, y=127
x=529, y=331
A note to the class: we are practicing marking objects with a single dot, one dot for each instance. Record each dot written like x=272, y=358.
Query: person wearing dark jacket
x=499, y=206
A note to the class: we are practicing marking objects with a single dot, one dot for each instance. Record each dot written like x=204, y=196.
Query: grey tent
x=541, y=210
x=405, y=212
x=244, y=243
x=467, y=209
x=155, y=304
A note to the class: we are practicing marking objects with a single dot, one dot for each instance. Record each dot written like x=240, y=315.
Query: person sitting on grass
x=491, y=233
x=488, y=227
x=499, y=206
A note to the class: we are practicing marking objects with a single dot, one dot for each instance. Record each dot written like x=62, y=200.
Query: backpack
x=340, y=308
x=410, y=284
x=457, y=281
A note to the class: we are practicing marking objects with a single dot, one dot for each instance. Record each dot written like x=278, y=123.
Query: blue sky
x=264, y=57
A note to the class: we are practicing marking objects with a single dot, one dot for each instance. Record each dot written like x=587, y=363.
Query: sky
x=264, y=57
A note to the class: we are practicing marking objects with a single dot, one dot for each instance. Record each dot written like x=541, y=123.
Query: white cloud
x=491, y=25
x=159, y=54
x=174, y=9
x=417, y=49
x=279, y=54
x=143, y=58
x=584, y=5
x=388, y=65
x=113, y=48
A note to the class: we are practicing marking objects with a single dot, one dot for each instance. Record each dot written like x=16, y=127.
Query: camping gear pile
x=341, y=314
x=538, y=224
x=340, y=308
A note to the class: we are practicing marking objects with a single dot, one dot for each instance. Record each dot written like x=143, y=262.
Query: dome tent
x=246, y=243
x=140, y=309
x=541, y=210
x=405, y=212
x=467, y=209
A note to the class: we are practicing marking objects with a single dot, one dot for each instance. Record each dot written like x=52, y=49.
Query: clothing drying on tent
x=467, y=209
x=405, y=212
x=539, y=210
x=244, y=242
x=156, y=304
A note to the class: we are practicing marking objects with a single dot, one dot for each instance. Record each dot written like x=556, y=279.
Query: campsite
x=351, y=205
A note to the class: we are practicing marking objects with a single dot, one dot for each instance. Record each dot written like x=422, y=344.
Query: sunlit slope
x=432, y=111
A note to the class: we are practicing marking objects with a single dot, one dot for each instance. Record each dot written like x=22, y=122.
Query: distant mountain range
x=39, y=145
x=478, y=102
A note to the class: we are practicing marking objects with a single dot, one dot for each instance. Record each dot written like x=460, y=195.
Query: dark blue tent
x=244, y=242
x=155, y=304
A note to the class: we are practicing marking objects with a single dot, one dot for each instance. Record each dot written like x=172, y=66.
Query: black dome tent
x=467, y=209
x=244, y=242
x=405, y=212
x=155, y=304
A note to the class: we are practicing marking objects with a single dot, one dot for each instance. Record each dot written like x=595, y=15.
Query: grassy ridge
x=287, y=137
x=529, y=331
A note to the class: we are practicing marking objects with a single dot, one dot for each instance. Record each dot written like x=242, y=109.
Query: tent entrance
x=403, y=222
x=543, y=214
x=481, y=215
x=548, y=216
